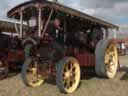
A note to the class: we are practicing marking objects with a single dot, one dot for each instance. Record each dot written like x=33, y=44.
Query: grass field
x=93, y=86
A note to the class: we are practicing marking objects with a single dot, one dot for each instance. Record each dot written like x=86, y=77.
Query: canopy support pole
x=45, y=27
x=115, y=33
x=21, y=23
x=39, y=22
x=16, y=28
x=65, y=29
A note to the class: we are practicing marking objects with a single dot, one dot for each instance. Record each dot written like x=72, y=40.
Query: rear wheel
x=106, y=59
x=3, y=69
x=68, y=74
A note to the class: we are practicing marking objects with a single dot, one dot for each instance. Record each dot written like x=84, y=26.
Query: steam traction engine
x=63, y=42
x=11, y=50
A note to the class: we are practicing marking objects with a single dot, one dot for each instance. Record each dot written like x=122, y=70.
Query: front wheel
x=68, y=74
x=32, y=73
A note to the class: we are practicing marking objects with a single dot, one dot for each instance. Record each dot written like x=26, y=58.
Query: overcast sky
x=114, y=11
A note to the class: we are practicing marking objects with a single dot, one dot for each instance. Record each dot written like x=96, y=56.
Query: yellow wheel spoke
x=107, y=58
x=111, y=58
x=34, y=70
x=66, y=83
x=108, y=68
x=70, y=75
x=33, y=76
x=71, y=66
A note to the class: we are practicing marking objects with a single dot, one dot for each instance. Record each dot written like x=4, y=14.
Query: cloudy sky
x=114, y=11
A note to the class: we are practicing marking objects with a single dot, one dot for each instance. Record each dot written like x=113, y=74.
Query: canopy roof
x=123, y=40
x=34, y=4
x=6, y=26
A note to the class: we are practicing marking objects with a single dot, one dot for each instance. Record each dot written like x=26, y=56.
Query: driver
x=56, y=31
x=57, y=34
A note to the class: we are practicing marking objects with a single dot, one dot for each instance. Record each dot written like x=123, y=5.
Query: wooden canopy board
x=122, y=40
x=65, y=12
x=6, y=26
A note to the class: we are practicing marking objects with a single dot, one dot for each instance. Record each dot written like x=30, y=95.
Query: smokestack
x=46, y=0
x=53, y=0
x=38, y=0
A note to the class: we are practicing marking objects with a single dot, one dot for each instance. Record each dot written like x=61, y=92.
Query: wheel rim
x=1, y=63
x=34, y=75
x=71, y=75
x=111, y=60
